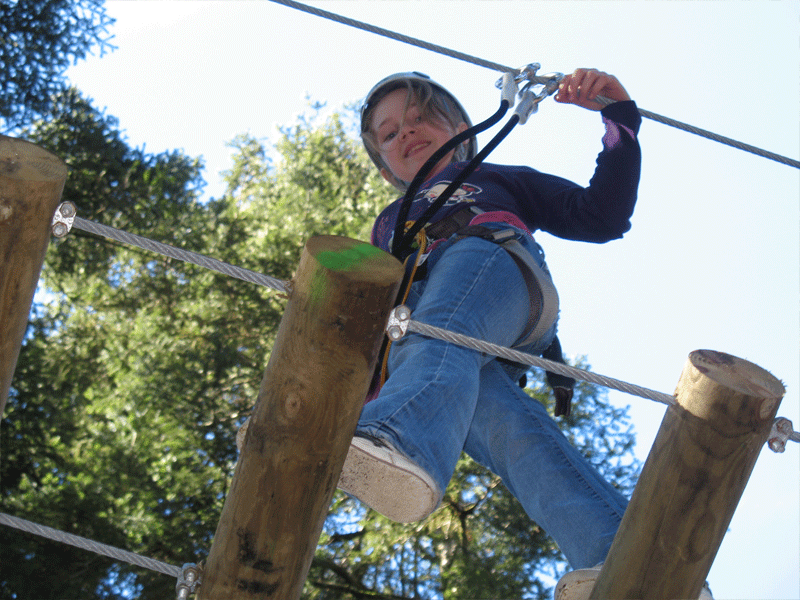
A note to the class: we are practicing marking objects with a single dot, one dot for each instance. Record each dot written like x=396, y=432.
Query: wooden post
x=303, y=421
x=692, y=480
x=31, y=183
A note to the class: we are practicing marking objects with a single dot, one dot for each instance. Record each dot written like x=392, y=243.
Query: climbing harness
x=543, y=310
x=543, y=296
x=528, y=103
x=410, y=238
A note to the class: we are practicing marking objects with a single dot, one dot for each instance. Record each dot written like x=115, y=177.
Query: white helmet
x=400, y=80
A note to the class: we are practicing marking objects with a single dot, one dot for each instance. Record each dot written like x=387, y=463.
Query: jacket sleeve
x=601, y=211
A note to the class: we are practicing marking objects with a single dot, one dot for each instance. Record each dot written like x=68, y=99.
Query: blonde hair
x=435, y=106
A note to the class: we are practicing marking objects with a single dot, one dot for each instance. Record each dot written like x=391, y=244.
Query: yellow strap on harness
x=422, y=241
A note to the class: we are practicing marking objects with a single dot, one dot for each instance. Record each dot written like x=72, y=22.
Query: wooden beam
x=692, y=480
x=31, y=183
x=308, y=406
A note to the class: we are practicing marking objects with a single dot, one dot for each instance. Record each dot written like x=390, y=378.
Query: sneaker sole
x=388, y=482
x=578, y=585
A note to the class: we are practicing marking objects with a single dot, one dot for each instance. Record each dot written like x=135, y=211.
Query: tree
x=38, y=41
x=73, y=456
x=137, y=371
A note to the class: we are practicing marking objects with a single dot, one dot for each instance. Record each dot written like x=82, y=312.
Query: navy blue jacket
x=597, y=213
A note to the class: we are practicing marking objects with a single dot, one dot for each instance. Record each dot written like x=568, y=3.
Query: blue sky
x=712, y=258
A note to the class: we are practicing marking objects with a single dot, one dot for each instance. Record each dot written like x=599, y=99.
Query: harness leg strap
x=544, y=306
x=563, y=386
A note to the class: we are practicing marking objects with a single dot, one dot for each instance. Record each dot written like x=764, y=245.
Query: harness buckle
x=498, y=236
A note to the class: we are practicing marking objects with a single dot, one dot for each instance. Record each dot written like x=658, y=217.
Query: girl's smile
x=406, y=140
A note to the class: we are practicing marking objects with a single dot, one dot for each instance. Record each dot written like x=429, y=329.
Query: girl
x=489, y=281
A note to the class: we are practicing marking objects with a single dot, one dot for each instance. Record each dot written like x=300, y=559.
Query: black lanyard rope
x=402, y=240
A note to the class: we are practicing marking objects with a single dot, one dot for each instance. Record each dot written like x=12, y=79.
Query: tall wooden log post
x=303, y=421
x=692, y=480
x=31, y=183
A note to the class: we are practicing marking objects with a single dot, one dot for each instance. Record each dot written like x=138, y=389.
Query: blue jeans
x=441, y=399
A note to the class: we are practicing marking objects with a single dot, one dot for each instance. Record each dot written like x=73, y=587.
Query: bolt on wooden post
x=31, y=183
x=307, y=409
x=692, y=481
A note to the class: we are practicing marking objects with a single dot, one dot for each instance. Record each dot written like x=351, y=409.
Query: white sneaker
x=388, y=482
x=578, y=585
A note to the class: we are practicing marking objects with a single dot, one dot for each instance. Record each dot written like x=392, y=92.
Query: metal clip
x=508, y=88
x=63, y=219
x=536, y=89
x=190, y=579
x=528, y=105
x=398, y=322
x=521, y=74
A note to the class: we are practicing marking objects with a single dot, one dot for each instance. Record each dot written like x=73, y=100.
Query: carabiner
x=528, y=74
x=536, y=88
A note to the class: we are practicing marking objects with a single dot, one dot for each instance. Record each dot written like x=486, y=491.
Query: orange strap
x=422, y=241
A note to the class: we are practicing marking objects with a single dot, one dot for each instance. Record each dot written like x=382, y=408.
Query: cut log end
x=352, y=259
x=306, y=412
x=737, y=374
x=24, y=161
x=692, y=480
x=31, y=182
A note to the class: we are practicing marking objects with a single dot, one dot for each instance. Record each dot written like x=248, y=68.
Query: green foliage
x=38, y=41
x=322, y=185
x=137, y=371
x=123, y=187
x=101, y=437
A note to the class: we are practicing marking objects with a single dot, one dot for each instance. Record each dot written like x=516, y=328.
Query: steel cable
x=506, y=69
x=90, y=545
x=184, y=255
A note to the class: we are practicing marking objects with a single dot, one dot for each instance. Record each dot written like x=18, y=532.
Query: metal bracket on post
x=190, y=578
x=781, y=433
x=398, y=322
x=63, y=219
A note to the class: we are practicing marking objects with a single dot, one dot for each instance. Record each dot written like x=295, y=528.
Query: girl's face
x=406, y=140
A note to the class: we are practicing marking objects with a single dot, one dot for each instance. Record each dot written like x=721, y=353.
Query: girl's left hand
x=584, y=85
